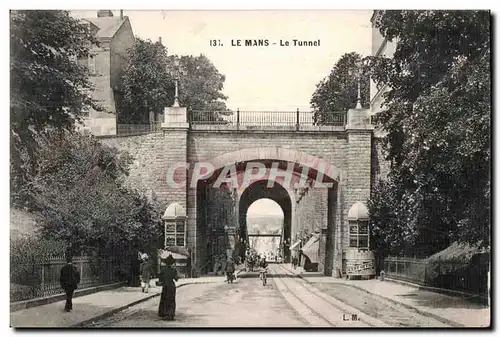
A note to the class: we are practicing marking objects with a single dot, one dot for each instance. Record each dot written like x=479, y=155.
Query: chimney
x=121, y=14
x=104, y=13
x=159, y=40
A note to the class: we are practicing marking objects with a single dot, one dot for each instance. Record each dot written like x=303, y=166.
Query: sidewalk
x=456, y=310
x=92, y=307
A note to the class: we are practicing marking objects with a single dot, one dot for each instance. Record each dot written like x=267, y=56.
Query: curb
x=424, y=313
x=433, y=289
x=89, y=321
x=21, y=305
x=116, y=310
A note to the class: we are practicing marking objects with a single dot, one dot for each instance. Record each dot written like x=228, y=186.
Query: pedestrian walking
x=168, y=277
x=69, y=279
x=217, y=265
x=230, y=269
x=146, y=273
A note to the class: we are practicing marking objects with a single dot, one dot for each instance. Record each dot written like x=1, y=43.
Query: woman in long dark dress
x=167, y=300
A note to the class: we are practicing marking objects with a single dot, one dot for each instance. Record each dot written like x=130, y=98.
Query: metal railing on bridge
x=268, y=120
x=247, y=120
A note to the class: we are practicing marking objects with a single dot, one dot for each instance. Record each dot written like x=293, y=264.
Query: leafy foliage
x=25, y=249
x=437, y=116
x=148, y=83
x=79, y=192
x=339, y=91
x=200, y=88
x=25, y=252
x=49, y=88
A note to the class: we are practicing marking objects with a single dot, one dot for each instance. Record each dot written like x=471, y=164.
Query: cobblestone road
x=245, y=303
x=286, y=301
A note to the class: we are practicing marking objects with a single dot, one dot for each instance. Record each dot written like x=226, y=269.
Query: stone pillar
x=175, y=129
x=175, y=118
x=356, y=183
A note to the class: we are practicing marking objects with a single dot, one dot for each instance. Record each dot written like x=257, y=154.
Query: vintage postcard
x=258, y=168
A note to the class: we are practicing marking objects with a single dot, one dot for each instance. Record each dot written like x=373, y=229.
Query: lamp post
x=176, y=75
x=358, y=103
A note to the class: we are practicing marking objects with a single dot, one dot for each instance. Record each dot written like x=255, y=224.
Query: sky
x=259, y=78
x=265, y=207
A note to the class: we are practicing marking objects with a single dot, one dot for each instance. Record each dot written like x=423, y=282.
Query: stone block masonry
x=152, y=155
x=350, y=152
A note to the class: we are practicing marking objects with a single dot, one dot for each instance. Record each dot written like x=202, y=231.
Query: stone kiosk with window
x=358, y=260
x=175, y=222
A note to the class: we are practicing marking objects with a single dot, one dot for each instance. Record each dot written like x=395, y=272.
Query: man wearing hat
x=69, y=279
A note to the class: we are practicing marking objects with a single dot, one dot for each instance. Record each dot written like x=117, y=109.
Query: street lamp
x=177, y=70
x=358, y=103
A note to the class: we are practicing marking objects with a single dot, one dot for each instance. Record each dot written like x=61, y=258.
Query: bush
x=27, y=253
x=460, y=267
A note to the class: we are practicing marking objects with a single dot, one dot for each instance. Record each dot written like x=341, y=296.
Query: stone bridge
x=346, y=156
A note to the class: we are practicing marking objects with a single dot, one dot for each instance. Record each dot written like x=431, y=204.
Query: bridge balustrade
x=248, y=120
x=255, y=120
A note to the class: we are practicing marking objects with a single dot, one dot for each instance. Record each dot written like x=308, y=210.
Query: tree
x=147, y=84
x=339, y=91
x=97, y=211
x=200, y=88
x=437, y=116
x=49, y=88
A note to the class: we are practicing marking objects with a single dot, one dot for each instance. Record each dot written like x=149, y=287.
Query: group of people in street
x=70, y=278
x=220, y=264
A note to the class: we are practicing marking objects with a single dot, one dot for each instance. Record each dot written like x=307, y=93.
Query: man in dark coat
x=69, y=279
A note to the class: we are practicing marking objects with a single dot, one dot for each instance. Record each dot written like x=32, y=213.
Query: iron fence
x=406, y=269
x=459, y=274
x=40, y=278
x=248, y=120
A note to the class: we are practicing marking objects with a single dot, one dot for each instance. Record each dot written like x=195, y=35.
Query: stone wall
x=330, y=146
x=311, y=214
x=311, y=210
x=152, y=156
x=355, y=185
x=350, y=151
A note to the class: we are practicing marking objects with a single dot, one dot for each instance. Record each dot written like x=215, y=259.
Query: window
x=359, y=234
x=175, y=233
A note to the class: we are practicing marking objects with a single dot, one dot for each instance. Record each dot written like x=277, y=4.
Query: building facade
x=109, y=58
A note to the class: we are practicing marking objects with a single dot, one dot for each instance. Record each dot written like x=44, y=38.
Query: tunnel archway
x=265, y=217
x=222, y=207
x=260, y=190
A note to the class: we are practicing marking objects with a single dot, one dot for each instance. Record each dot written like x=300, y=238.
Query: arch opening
x=280, y=196
x=224, y=206
x=265, y=217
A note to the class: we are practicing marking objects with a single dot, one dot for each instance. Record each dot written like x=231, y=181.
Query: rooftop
x=108, y=26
